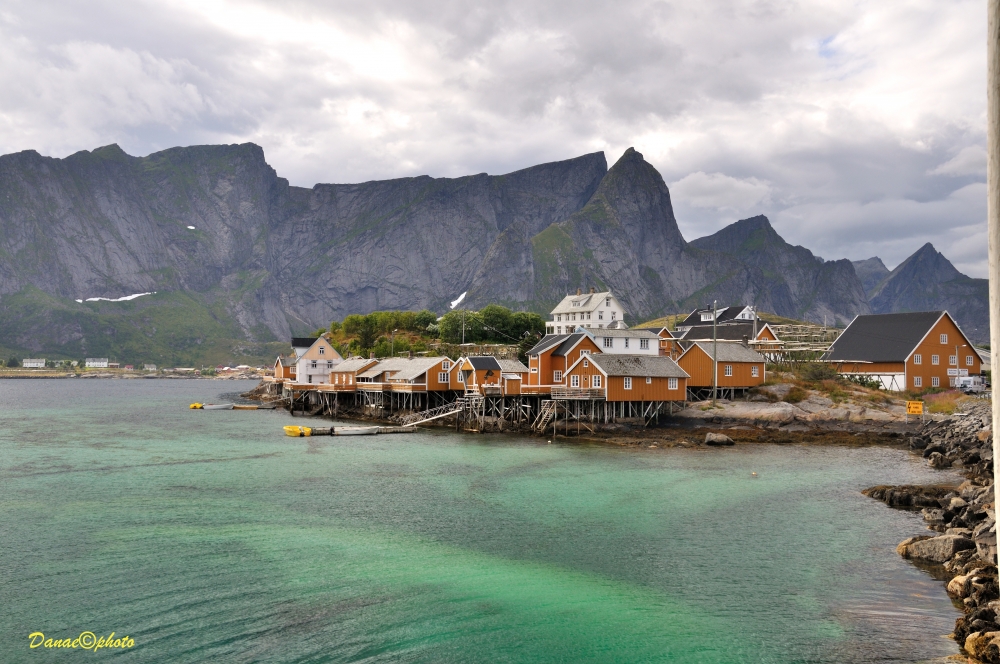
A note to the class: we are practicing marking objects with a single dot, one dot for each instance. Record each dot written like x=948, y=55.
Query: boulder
x=938, y=460
x=937, y=549
x=984, y=646
x=956, y=587
x=718, y=439
x=902, y=547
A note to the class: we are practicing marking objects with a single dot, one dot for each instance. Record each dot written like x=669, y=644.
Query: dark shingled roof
x=484, y=362
x=882, y=337
x=729, y=332
x=568, y=344
x=654, y=366
x=547, y=342
x=303, y=342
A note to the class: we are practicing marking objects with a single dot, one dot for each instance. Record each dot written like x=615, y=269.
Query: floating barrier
x=296, y=431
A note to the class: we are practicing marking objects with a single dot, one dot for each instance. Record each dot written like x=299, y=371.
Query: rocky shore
x=963, y=549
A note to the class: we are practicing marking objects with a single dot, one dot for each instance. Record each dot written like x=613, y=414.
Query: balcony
x=578, y=393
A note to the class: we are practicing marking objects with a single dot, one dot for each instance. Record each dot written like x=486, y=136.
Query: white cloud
x=720, y=191
x=970, y=160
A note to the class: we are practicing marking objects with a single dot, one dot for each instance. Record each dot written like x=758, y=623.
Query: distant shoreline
x=98, y=375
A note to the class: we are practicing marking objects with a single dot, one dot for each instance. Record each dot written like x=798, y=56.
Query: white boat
x=355, y=431
x=218, y=406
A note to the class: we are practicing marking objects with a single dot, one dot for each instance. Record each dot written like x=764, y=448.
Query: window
x=918, y=359
x=671, y=383
x=607, y=342
x=329, y=364
x=443, y=377
x=586, y=363
x=607, y=301
x=600, y=325
x=935, y=359
x=447, y=365
x=597, y=380
x=944, y=338
x=706, y=316
x=557, y=376
x=729, y=370
x=588, y=315
x=935, y=382
x=918, y=381
x=968, y=360
x=643, y=344
x=613, y=313
x=584, y=352
x=574, y=381
x=754, y=371
x=313, y=366
x=649, y=380
x=600, y=315
x=628, y=382
x=953, y=359
x=626, y=342
x=534, y=369
x=322, y=351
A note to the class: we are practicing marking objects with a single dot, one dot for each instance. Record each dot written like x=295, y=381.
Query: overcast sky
x=857, y=127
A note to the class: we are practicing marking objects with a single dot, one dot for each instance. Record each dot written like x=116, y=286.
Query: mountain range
x=238, y=260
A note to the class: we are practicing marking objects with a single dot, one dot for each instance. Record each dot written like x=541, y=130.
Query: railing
x=578, y=393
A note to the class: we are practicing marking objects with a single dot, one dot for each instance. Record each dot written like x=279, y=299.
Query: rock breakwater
x=964, y=550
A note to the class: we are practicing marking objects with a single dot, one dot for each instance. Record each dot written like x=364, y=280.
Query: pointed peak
x=629, y=155
x=111, y=152
x=755, y=223
x=928, y=248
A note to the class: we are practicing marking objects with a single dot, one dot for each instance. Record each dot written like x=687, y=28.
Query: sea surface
x=209, y=536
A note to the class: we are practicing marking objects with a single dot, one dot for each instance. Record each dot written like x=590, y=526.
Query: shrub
x=795, y=395
x=816, y=371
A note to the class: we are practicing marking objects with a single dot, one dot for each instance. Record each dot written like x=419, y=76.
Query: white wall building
x=96, y=363
x=625, y=342
x=587, y=310
x=33, y=364
x=315, y=364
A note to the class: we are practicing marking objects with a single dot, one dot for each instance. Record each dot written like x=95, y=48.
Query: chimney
x=371, y=356
x=579, y=292
x=593, y=290
x=409, y=354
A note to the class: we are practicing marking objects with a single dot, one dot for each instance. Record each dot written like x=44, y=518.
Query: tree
x=422, y=319
x=12, y=362
x=367, y=331
x=334, y=327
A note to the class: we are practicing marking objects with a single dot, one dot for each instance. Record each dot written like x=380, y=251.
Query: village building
x=421, y=374
x=301, y=344
x=284, y=368
x=33, y=363
x=96, y=363
x=149, y=367
x=738, y=368
x=905, y=351
x=114, y=365
x=552, y=356
x=621, y=378
x=757, y=335
x=587, y=310
x=344, y=376
x=314, y=365
x=722, y=316
x=625, y=342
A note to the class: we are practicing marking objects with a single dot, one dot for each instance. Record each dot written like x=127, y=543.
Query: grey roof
x=730, y=352
x=512, y=366
x=303, y=342
x=288, y=361
x=547, y=342
x=568, y=344
x=725, y=314
x=587, y=302
x=354, y=364
x=882, y=337
x=389, y=364
x=729, y=331
x=655, y=366
x=481, y=362
x=415, y=367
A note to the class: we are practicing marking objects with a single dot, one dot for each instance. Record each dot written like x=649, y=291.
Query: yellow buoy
x=196, y=406
x=297, y=431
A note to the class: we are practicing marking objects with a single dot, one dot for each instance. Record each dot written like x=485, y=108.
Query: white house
x=96, y=363
x=587, y=310
x=625, y=342
x=722, y=315
x=149, y=367
x=33, y=364
x=315, y=363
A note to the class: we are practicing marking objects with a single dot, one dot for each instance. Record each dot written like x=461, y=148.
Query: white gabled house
x=33, y=363
x=624, y=342
x=591, y=310
x=722, y=316
x=314, y=364
x=96, y=363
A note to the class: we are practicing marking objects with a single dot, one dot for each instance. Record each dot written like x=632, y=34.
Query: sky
x=857, y=127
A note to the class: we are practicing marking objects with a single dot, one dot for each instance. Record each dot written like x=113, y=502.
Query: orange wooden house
x=552, y=356
x=284, y=369
x=344, y=376
x=620, y=378
x=905, y=351
x=739, y=367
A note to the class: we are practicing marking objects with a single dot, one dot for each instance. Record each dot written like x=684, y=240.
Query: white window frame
x=918, y=381
x=597, y=380
x=626, y=342
x=729, y=370
x=649, y=380
x=935, y=381
x=935, y=360
x=586, y=363
x=953, y=360
x=608, y=342
x=643, y=344
x=600, y=315
x=943, y=338
x=918, y=359
x=313, y=366
x=322, y=350
x=557, y=376
x=968, y=360
x=584, y=351
x=671, y=383
x=754, y=371
x=446, y=365
x=574, y=380
x=443, y=377
x=628, y=382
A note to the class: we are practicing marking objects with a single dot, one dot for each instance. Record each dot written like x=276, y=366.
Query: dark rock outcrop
x=871, y=272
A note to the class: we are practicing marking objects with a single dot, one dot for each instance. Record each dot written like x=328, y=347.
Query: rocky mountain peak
x=871, y=272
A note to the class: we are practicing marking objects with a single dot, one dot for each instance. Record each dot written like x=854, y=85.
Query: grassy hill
x=167, y=329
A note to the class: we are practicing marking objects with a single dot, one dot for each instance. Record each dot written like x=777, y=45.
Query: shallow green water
x=211, y=537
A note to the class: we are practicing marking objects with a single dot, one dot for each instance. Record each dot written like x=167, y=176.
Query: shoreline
x=101, y=375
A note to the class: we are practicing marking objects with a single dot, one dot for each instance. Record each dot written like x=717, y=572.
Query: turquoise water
x=211, y=537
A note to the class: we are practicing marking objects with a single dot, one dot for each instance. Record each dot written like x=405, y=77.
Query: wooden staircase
x=545, y=416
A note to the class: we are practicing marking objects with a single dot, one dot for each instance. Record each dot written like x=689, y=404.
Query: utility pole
x=392, y=344
x=715, y=351
x=993, y=205
x=463, y=326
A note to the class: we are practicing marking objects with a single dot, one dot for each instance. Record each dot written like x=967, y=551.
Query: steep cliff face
x=788, y=280
x=927, y=281
x=871, y=272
